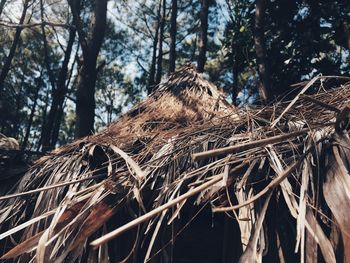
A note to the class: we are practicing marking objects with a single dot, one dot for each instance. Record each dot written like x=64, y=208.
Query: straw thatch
x=279, y=172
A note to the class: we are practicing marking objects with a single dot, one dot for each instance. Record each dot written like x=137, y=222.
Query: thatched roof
x=183, y=100
x=185, y=147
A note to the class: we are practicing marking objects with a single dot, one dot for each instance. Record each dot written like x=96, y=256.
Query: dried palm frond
x=182, y=148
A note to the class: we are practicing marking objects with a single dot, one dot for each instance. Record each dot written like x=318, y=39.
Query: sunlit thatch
x=186, y=143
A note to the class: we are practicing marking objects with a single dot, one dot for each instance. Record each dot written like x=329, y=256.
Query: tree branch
x=75, y=7
x=44, y=23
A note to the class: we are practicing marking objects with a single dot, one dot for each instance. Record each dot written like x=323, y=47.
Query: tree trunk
x=160, y=48
x=44, y=117
x=260, y=49
x=16, y=122
x=152, y=71
x=58, y=95
x=234, y=90
x=85, y=102
x=46, y=49
x=8, y=61
x=85, y=96
x=194, y=48
x=173, y=31
x=31, y=117
x=346, y=27
x=62, y=89
x=47, y=127
x=203, y=35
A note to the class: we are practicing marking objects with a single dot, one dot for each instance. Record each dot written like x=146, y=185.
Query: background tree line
x=69, y=67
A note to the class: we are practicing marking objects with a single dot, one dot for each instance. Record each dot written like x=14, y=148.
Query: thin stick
x=321, y=103
x=323, y=77
x=104, y=239
x=311, y=82
x=49, y=187
x=45, y=23
x=248, y=145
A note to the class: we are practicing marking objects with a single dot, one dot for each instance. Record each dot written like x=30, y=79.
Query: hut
x=186, y=177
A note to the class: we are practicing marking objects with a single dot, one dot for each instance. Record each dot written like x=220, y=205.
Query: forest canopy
x=68, y=68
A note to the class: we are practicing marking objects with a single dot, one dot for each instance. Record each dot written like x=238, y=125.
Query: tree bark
x=173, y=32
x=8, y=61
x=87, y=74
x=203, y=35
x=152, y=71
x=260, y=50
x=160, y=45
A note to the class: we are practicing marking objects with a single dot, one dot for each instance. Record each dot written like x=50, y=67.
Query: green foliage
x=26, y=78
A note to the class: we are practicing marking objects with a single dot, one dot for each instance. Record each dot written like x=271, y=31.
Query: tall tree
x=46, y=49
x=152, y=71
x=260, y=49
x=8, y=61
x=61, y=90
x=345, y=21
x=239, y=45
x=173, y=30
x=58, y=84
x=160, y=44
x=90, y=45
x=51, y=129
x=346, y=27
x=203, y=35
x=39, y=82
x=339, y=14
